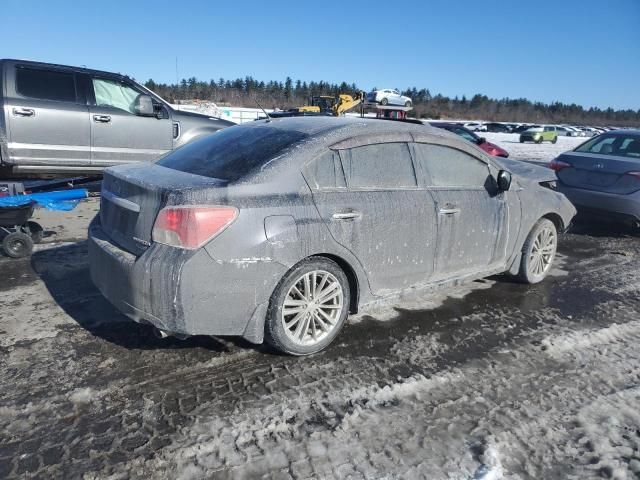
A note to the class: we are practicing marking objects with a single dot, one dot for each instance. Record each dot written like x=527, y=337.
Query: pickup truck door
x=118, y=135
x=47, y=118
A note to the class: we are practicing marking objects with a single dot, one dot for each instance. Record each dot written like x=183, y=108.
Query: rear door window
x=46, y=84
x=379, y=166
x=325, y=172
x=448, y=167
x=233, y=152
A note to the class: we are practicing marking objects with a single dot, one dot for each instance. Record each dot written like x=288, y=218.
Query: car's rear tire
x=384, y=101
x=538, y=252
x=407, y=104
x=17, y=245
x=555, y=139
x=522, y=140
x=308, y=307
x=540, y=140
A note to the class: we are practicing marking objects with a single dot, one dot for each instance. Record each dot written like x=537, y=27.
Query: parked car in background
x=602, y=175
x=497, y=127
x=491, y=148
x=522, y=128
x=61, y=119
x=564, y=131
x=545, y=133
x=475, y=126
x=388, y=97
x=277, y=230
x=574, y=131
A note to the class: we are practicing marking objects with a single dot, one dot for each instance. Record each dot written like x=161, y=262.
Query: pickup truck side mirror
x=504, y=180
x=143, y=106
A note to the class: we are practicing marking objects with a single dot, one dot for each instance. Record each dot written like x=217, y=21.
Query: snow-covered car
x=277, y=230
x=388, y=97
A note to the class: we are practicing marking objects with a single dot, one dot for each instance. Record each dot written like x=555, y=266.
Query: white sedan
x=388, y=97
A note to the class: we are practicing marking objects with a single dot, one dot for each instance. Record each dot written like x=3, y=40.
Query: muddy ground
x=492, y=380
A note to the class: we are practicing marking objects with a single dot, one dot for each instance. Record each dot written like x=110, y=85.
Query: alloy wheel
x=312, y=307
x=542, y=252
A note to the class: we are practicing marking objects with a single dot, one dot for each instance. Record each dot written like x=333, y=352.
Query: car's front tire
x=384, y=101
x=407, y=104
x=538, y=252
x=308, y=307
x=555, y=139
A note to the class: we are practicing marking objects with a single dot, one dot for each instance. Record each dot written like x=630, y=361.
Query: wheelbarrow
x=18, y=233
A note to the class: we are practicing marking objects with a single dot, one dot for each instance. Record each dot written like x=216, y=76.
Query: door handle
x=102, y=118
x=24, y=112
x=346, y=215
x=449, y=211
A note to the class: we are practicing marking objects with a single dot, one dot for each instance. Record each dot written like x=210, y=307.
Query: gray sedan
x=602, y=176
x=277, y=230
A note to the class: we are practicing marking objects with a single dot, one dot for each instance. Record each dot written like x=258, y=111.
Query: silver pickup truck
x=61, y=119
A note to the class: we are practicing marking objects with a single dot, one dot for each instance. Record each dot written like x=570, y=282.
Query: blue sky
x=582, y=51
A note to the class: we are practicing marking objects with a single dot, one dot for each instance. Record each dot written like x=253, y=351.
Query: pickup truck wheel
x=538, y=252
x=308, y=307
x=17, y=245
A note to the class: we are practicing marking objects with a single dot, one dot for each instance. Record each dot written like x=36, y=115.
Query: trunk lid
x=603, y=173
x=132, y=196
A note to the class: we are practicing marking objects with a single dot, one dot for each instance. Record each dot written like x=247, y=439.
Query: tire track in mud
x=114, y=401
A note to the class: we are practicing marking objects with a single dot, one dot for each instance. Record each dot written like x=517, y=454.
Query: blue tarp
x=62, y=200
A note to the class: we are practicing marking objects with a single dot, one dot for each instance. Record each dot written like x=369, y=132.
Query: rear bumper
x=603, y=203
x=185, y=292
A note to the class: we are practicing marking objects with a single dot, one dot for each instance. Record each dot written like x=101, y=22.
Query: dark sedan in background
x=491, y=148
x=279, y=229
x=602, y=176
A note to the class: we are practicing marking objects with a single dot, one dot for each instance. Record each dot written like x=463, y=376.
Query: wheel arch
x=556, y=220
x=352, y=277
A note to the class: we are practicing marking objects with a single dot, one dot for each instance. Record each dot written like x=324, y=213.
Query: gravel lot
x=490, y=380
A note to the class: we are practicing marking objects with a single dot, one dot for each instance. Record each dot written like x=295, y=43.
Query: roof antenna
x=265, y=112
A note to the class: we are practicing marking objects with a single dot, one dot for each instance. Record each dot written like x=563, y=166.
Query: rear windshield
x=232, y=153
x=618, y=145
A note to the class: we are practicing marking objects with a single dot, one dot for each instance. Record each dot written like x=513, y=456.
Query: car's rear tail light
x=191, y=226
x=557, y=165
x=634, y=174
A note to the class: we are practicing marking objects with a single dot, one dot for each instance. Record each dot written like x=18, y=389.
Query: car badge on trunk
x=598, y=165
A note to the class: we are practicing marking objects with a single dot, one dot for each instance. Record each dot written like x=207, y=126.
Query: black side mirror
x=504, y=180
x=481, y=140
x=143, y=106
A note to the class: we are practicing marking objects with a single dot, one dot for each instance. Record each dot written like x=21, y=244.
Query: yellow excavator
x=324, y=105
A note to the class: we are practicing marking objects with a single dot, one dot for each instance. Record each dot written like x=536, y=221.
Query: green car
x=539, y=135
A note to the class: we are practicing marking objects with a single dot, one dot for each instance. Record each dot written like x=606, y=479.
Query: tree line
x=243, y=92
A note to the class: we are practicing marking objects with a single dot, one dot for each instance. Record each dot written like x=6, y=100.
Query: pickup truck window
x=111, y=93
x=45, y=84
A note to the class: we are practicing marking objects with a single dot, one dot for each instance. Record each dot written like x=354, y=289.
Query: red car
x=490, y=148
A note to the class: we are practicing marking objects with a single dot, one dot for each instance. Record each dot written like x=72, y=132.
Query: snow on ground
x=497, y=380
x=532, y=152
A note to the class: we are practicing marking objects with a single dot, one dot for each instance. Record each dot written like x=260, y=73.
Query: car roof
x=340, y=129
x=89, y=71
x=625, y=133
x=339, y=133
